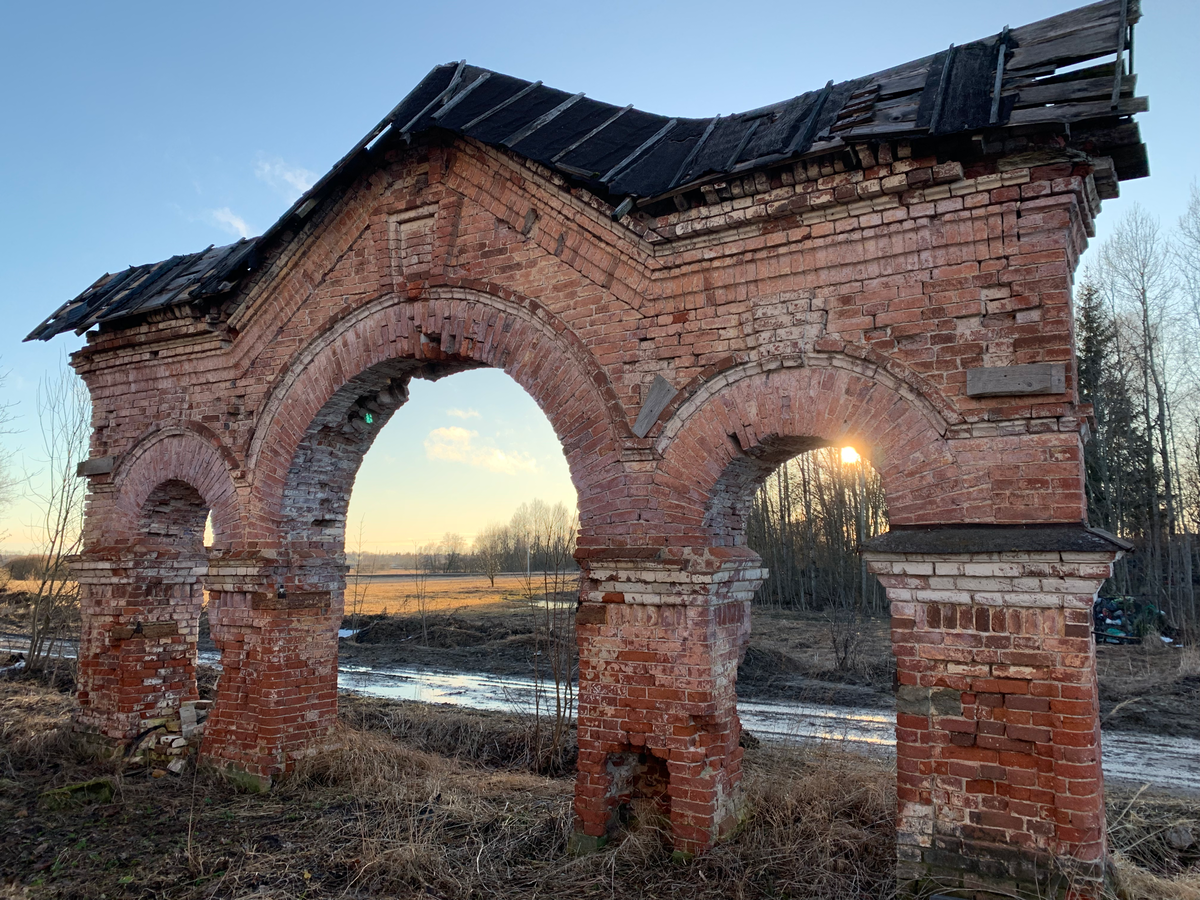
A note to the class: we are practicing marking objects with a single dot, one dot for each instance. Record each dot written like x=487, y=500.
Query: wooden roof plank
x=503, y=104
x=521, y=133
x=646, y=145
x=460, y=96
x=446, y=91
x=1075, y=112
x=574, y=145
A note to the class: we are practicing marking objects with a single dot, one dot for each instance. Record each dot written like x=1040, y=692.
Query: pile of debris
x=168, y=742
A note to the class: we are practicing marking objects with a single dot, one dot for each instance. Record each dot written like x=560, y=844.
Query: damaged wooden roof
x=1011, y=79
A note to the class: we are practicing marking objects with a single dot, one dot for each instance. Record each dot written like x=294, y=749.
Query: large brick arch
x=180, y=454
x=450, y=328
x=725, y=439
x=909, y=295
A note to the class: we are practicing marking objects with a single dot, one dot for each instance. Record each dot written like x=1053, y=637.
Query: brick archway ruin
x=886, y=262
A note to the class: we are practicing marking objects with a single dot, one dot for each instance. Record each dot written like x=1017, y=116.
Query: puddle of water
x=430, y=686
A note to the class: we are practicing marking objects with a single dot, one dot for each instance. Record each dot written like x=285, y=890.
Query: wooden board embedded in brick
x=660, y=394
x=97, y=465
x=1015, y=381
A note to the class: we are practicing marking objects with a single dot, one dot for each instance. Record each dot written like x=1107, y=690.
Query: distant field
x=394, y=592
x=29, y=585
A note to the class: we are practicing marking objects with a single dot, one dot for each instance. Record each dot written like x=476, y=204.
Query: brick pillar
x=659, y=644
x=997, y=725
x=137, y=651
x=277, y=634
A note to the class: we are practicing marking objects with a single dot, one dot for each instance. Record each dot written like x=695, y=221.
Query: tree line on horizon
x=539, y=537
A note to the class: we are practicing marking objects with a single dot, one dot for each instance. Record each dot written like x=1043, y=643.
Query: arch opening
x=392, y=521
x=807, y=520
x=806, y=506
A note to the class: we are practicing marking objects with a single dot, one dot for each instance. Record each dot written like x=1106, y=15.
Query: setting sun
x=850, y=456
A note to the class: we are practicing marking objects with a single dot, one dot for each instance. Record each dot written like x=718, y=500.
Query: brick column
x=137, y=650
x=659, y=644
x=997, y=725
x=277, y=696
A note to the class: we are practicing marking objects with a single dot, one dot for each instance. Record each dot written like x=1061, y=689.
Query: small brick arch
x=177, y=455
x=449, y=329
x=726, y=439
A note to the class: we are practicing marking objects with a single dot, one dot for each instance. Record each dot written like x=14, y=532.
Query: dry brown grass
x=445, y=593
x=378, y=816
x=1141, y=826
x=1189, y=661
x=491, y=739
x=26, y=586
x=1136, y=883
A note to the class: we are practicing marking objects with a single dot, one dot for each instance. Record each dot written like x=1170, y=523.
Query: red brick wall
x=816, y=303
x=659, y=645
x=907, y=287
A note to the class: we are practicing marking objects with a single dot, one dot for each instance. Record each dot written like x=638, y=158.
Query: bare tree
x=1138, y=321
x=64, y=418
x=551, y=594
x=807, y=522
x=1187, y=257
x=362, y=566
x=1136, y=259
x=490, y=545
x=452, y=547
x=428, y=559
x=8, y=483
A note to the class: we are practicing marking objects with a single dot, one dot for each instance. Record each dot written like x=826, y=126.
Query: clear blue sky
x=130, y=132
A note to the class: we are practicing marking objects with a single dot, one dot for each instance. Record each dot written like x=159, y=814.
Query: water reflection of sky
x=433, y=686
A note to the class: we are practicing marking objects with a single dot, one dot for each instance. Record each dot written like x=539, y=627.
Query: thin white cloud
x=227, y=220
x=290, y=181
x=462, y=413
x=458, y=445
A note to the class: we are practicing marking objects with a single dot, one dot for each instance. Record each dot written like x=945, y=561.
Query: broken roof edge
x=829, y=120
x=127, y=293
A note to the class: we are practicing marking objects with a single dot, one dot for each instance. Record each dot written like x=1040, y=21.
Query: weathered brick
x=842, y=306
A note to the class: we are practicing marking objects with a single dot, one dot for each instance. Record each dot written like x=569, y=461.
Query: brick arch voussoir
x=753, y=411
x=188, y=452
x=473, y=322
